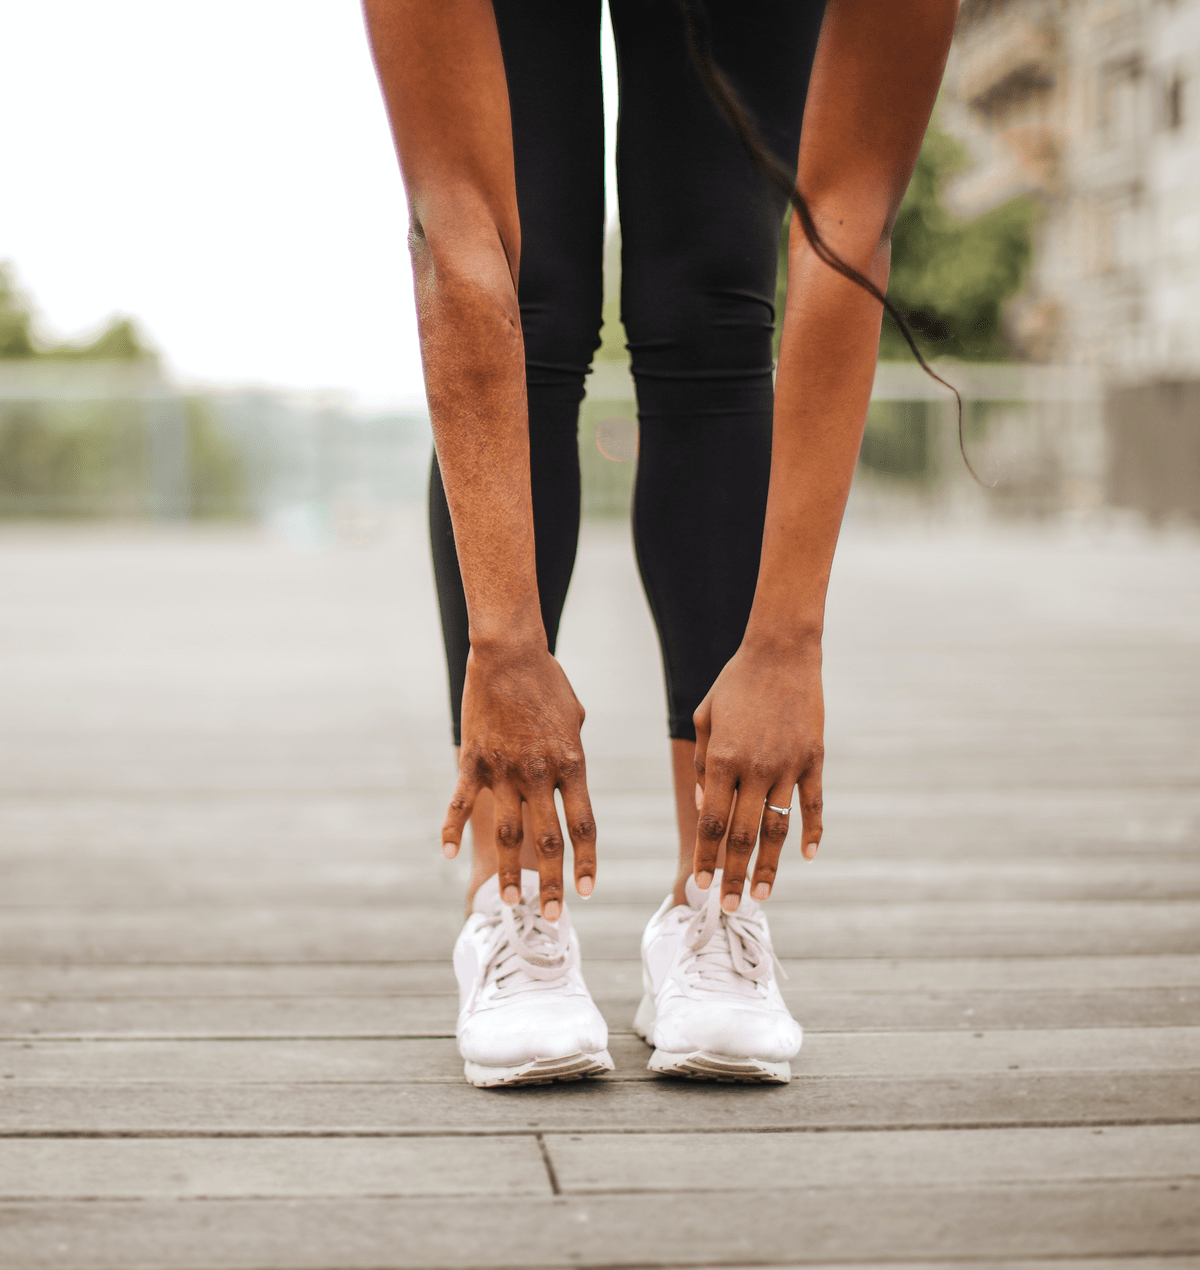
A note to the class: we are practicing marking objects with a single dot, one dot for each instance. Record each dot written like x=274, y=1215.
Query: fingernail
x=699, y=797
x=761, y=891
x=551, y=910
x=449, y=850
x=704, y=880
x=511, y=894
x=584, y=886
x=730, y=902
x=810, y=851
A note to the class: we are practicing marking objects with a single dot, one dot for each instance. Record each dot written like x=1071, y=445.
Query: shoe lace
x=728, y=951
x=529, y=953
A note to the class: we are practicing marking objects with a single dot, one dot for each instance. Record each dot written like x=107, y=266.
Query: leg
x=700, y=231
x=552, y=60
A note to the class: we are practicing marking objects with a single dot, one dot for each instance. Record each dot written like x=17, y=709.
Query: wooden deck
x=225, y=927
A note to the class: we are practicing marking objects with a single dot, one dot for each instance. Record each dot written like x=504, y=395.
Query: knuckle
x=459, y=804
x=762, y=770
x=721, y=761
x=509, y=834
x=774, y=830
x=583, y=829
x=813, y=805
x=497, y=765
x=740, y=840
x=474, y=764
x=765, y=870
x=535, y=769
x=570, y=764
x=550, y=845
x=711, y=827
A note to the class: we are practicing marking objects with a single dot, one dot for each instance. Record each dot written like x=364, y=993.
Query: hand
x=758, y=735
x=520, y=739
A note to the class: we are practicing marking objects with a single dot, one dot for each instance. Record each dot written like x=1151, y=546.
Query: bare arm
x=443, y=81
x=878, y=67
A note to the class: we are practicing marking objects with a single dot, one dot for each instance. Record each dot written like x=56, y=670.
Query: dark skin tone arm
x=759, y=730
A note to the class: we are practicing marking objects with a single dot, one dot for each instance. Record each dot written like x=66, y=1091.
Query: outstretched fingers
x=810, y=807
x=509, y=834
x=771, y=836
x=716, y=808
x=581, y=829
x=548, y=845
x=458, y=814
x=739, y=845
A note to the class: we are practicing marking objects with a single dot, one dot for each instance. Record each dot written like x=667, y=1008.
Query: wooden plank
x=634, y=1104
x=876, y=1054
x=605, y=977
x=889, y=821
x=956, y=824
x=596, y=1163
x=841, y=878
x=1176, y=1262
x=1016, y=776
x=263, y=1167
x=410, y=1015
x=796, y=1227
x=404, y=933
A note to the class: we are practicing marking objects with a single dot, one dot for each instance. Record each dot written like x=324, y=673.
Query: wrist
x=799, y=642
x=508, y=640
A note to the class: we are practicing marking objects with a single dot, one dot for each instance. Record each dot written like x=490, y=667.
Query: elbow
x=462, y=269
x=856, y=233
x=464, y=235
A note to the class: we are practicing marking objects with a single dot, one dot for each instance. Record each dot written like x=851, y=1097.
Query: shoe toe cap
x=514, y=1032
x=739, y=1032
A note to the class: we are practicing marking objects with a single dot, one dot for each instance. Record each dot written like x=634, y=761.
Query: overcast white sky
x=223, y=173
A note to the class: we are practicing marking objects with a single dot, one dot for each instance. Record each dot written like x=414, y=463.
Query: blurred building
x=1094, y=106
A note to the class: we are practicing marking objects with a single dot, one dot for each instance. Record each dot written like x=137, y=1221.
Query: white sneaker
x=712, y=1009
x=526, y=1017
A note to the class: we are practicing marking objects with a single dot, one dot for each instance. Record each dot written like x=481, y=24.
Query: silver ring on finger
x=783, y=811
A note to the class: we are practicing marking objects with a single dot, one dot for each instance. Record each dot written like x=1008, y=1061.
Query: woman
x=497, y=116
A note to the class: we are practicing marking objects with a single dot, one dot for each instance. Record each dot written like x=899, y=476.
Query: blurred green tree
x=63, y=458
x=119, y=341
x=950, y=277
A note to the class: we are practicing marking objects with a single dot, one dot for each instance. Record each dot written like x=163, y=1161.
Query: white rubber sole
x=541, y=1071
x=703, y=1064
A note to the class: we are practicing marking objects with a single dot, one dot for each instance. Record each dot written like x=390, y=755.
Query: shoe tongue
x=488, y=895
x=697, y=898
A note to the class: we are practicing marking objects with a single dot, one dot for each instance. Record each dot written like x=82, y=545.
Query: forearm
x=823, y=386
x=443, y=80
x=475, y=381
x=873, y=85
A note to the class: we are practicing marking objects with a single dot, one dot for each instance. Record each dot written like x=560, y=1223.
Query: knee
x=708, y=314
x=560, y=316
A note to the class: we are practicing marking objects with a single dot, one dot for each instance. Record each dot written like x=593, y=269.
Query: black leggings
x=700, y=231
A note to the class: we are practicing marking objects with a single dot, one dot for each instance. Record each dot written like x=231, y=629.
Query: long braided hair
x=745, y=127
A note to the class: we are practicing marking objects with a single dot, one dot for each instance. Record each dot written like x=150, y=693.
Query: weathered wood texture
x=226, y=1008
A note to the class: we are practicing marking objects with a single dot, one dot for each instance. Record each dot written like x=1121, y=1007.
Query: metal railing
x=1035, y=434
x=118, y=440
